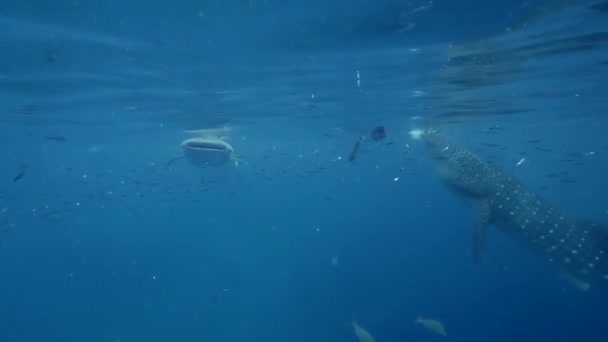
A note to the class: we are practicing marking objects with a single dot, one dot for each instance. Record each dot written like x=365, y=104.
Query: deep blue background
x=100, y=242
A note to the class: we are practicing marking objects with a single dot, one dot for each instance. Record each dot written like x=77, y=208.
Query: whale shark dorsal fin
x=482, y=210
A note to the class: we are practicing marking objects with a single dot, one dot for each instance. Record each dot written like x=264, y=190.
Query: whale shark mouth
x=207, y=152
x=206, y=145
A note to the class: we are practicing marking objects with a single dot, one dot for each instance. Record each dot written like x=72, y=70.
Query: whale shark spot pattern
x=576, y=247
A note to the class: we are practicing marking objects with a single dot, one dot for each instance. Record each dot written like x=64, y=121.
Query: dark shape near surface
x=19, y=175
x=56, y=138
x=577, y=248
x=378, y=133
x=353, y=154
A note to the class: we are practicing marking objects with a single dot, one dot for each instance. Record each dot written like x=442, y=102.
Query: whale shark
x=579, y=249
x=207, y=149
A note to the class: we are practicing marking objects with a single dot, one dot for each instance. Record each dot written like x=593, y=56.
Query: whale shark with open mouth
x=208, y=149
x=578, y=248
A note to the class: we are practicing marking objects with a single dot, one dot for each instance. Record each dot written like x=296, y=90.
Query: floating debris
x=19, y=175
x=521, y=161
x=378, y=133
x=353, y=154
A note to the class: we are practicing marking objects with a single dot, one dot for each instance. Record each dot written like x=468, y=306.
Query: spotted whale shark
x=577, y=248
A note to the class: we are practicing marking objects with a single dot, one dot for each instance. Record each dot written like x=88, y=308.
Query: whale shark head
x=437, y=145
x=457, y=166
x=207, y=152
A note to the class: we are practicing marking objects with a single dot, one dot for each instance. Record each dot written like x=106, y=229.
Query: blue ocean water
x=109, y=234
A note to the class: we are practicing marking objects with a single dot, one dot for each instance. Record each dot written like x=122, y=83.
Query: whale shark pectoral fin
x=482, y=210
x=171, y=161
x=237, y=160
x=576, y=282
